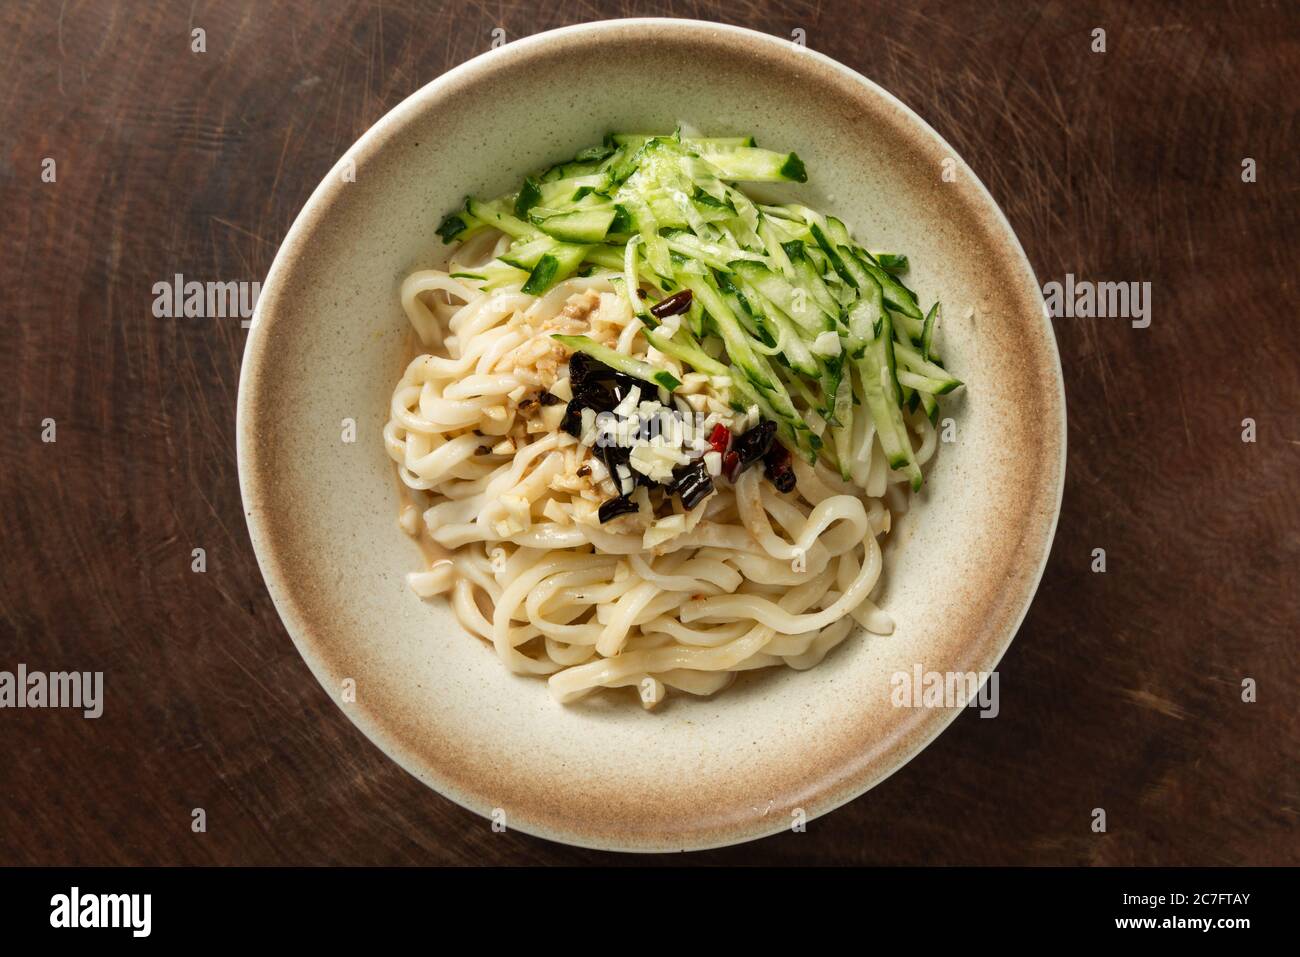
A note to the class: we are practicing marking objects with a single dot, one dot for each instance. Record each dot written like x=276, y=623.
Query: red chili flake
x=731, y=466
x=719, y=438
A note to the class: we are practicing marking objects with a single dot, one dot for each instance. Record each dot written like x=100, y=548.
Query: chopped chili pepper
x=719, y=438
x=731, y=466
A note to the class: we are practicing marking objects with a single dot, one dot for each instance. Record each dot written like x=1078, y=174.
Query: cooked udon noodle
x=752, y=579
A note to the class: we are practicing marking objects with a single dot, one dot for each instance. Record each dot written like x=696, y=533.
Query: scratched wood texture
x=1123, y=690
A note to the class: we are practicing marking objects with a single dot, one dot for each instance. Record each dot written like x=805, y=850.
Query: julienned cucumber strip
x=918, y=365
x=656, y=248
x=925, y=384
x=878, y=405
x=927, y=333
x=889, y=385
x=689, y=353
x=842, y=427
x=898, y=296
x=544, y=275
x=494, y=275
x=715, y=255
x=562, y=192
x=775, y=251
x=762, y=334
x=798, y=388
x=832, y=255
x=525, y=255
x=911, y=398
x=569, y=171
x=631, y=287
x=489, y=213
x=749, y=164
x=832, y=375
x=865, y=319
x=810, y=280
x=931, y=406
x=620, y=362
x=560, y=263
x=454, y=225
x=580, y=225
x=607, y=257
x=530, y=195
x=888, y=417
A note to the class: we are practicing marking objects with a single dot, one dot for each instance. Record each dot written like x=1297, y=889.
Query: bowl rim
x=306, y=221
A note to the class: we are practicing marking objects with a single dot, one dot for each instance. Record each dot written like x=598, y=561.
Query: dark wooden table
x=1123, y=690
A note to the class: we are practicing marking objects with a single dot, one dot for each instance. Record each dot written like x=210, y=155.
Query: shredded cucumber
x=785, y=301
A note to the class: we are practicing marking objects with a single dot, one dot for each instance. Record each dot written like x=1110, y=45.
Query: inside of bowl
x=330, y=344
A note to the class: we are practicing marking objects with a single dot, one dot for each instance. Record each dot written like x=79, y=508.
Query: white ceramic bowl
x=329, y=344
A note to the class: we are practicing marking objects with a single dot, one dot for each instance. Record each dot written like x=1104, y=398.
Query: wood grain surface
x=1123, y=690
